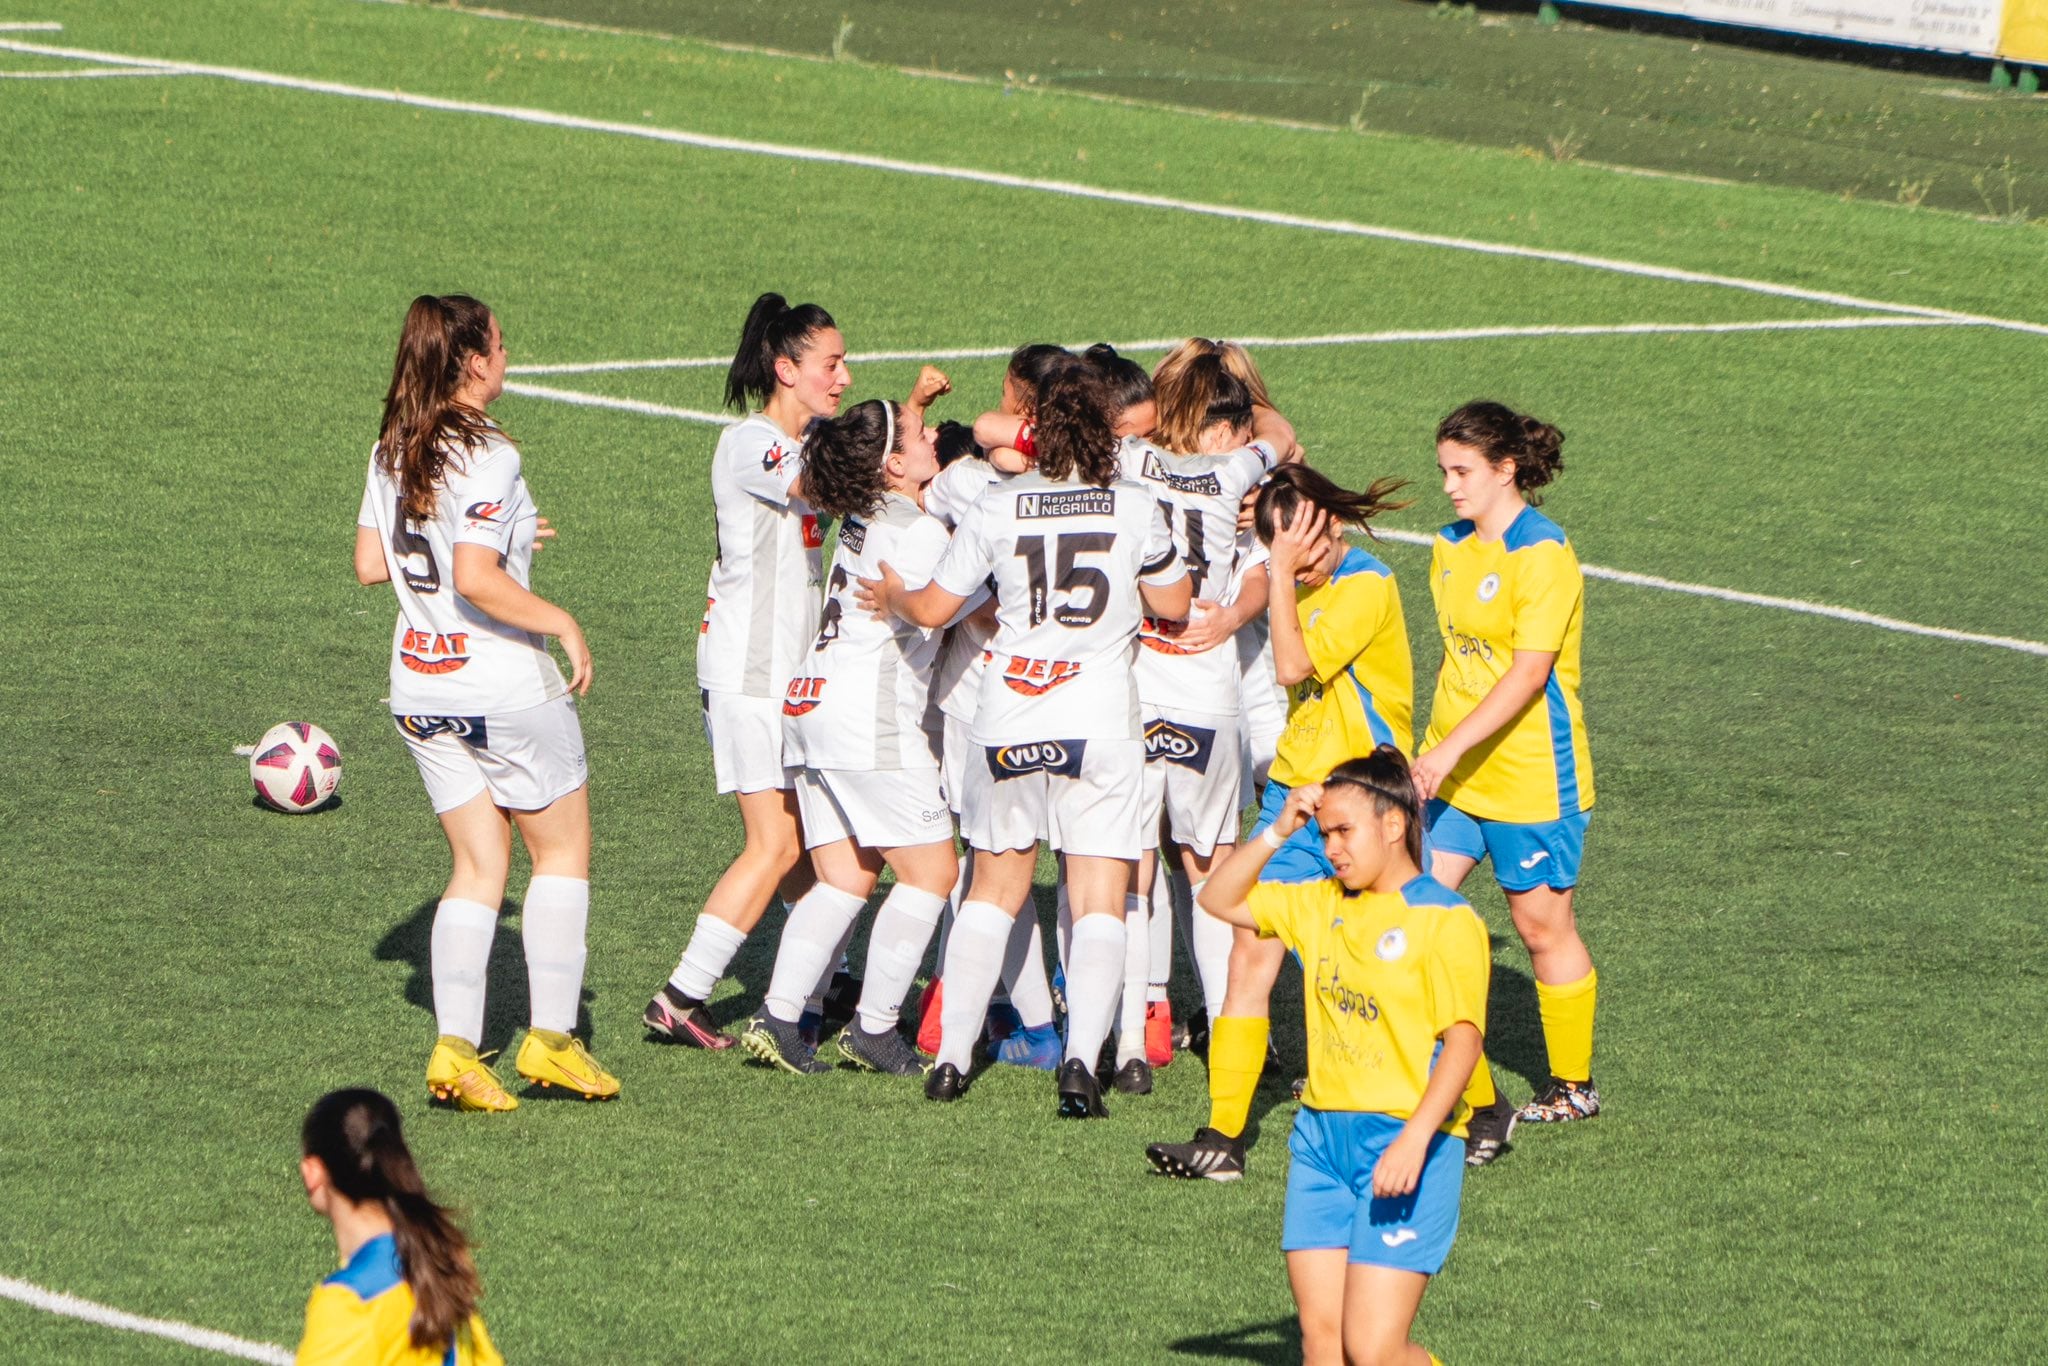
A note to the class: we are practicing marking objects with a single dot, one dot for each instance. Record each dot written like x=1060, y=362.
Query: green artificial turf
x=1813, y=886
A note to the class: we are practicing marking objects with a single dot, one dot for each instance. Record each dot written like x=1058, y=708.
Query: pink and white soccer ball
x=296, y=766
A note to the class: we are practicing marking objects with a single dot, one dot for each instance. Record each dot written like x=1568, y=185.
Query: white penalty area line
x=1068, y=189
x=1591, y=571
x=89, y=72
x=91, y=1311
x=1447, y=334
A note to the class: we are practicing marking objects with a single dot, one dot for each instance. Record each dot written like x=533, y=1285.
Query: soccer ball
x=296, y=767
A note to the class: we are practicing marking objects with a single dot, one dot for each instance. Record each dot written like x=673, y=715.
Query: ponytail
x=1185, y=384
x=1075, y=431
x=1125, y=382
x=773, y=330
x=1500, y=433
x=1290, y=486
x=356, y=1136
x=423, y=422
x=1385, y=775
x=844, y=455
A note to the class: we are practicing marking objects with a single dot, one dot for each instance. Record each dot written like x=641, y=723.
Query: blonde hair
x=1184, y=403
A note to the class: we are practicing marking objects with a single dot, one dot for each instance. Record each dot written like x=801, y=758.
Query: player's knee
x=1371, y=1345
x=1322, y=1340
x=1547, y=928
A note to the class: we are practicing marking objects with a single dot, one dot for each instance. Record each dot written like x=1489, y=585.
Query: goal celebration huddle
x=1121, y=615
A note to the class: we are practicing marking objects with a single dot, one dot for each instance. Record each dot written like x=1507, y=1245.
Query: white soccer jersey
x=956, y=686
x=859, y=698
x=447, y=657
x=1203, y=493
x=763, y=600
x=1067, y=560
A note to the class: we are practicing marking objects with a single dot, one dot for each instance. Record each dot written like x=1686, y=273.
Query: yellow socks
x=1567, y=1012
x=1237, y=1054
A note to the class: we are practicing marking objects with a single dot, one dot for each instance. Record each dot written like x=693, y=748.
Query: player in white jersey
x=1077, y=555
x=855, y=713
x=447, y=520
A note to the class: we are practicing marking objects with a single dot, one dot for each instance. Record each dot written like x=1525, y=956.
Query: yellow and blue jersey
x=362, y=1316
x=1360, y=691
x=1385, y=973
x=1493, y=598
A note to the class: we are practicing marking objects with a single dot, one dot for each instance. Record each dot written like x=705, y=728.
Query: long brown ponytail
x=356, y=1136
x=423, y=422
x=1290, y=486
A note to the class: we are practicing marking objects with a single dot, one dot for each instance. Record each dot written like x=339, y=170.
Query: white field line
x=41, y=26
x=88, y=72
x=599, y=367
x=91, y=1311
x=1591, y=571
x=1069, y=189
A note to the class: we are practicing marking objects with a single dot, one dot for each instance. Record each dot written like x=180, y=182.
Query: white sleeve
x=919, y=552
x=970, y=558
x=1161, y=564
x=1244, y=467
x=485, y=492
x=953, y=490
x=765, y=470
x=366, y=515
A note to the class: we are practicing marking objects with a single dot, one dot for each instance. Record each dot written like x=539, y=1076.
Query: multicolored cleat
x=684, y=1021
x=458, y=1075
x=1038, y=1046
x=1562, y=1102
x=547, y=1058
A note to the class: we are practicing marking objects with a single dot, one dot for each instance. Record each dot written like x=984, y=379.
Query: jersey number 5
x=1073, y=579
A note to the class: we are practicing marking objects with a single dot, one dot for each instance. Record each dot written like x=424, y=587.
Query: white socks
x=903, y=927
x=1063, y=919
x=713, y=945
x=1095, y=969
x=810, y=945
x=1209, y=945
x=1024, y=970
x=552, y=924
x=1130, y=1028
x=461, y=954
x=1161, y=926
x=974, y=961
x=814, y=1004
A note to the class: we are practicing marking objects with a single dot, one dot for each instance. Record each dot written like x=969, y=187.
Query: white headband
x=889, y=416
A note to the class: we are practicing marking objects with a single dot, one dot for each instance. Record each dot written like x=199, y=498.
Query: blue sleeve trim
x=1456, y=531
x=1357, y=561
x=372, y=1271
x=1424, y=890
x=1532, y=528
x=1382, y=733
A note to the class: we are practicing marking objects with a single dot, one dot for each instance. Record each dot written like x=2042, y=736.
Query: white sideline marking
x=1800, y=605
x=1591, y=571
x=599, y=367
x=86, y=73
x=547, y=118
x=91, y=1311
x=43, y=26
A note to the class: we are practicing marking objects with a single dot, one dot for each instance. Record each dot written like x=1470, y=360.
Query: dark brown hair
x=355, y=1134
x=1031, y=366
x=843, y=458
x=1076, y=431
x=1500, y=433
x=423, y=423
x=1384, y=774
x=1124, y=380
x=773, y=329
x=1289, y=486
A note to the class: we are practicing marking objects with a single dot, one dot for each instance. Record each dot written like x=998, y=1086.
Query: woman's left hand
x=543, y=532
x=931, y=385
x=1209, y=625
x=1400, y=1166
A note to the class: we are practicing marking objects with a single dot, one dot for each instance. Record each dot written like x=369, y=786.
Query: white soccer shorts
x=527, y=760
x=885, y=809
x=1084, y=797
x=746, y=742
x=1194, y=771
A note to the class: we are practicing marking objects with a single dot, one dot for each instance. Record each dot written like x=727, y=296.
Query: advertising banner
x=1973, y=27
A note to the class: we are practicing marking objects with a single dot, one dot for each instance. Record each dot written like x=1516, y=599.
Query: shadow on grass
x=506, y=1003
x=1278, y=1341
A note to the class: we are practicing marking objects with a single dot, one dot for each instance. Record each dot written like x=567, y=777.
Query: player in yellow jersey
x=407, y=1290
x=1340, y=647
x=1395, y=969
x=1506, y=763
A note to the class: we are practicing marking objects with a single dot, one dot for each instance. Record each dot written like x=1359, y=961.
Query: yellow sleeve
x=1459, y=969
x=1276, y=910
x=339, y=1329
x=1548, y=592
x=1339, y=629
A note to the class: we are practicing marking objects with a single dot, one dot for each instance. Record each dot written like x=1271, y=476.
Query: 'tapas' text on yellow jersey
x=1385, y=973
x=1360, y=692
x=1493, y=598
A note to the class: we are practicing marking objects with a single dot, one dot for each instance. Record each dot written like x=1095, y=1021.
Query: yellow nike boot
x=458, y=1076
x=551, y=1059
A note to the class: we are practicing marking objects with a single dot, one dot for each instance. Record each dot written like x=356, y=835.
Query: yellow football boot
x=458, y=1076
x=551, y=1059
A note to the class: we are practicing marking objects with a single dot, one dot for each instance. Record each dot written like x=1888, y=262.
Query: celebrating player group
x=1109, y=616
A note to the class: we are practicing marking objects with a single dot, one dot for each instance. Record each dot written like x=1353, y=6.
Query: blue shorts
x=1301, y=858
x=1330, y=1201
x=1525, y=856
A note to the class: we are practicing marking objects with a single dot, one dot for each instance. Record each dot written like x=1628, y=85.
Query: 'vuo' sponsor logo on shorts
x=1068, y=503
x=1037, y=677
x=434, y=652
x=1175, y=742
x=1060, y=758
x=803, y=695
x=466, y=728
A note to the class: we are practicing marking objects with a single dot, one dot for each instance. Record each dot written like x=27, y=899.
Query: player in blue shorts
x=1395, y=969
